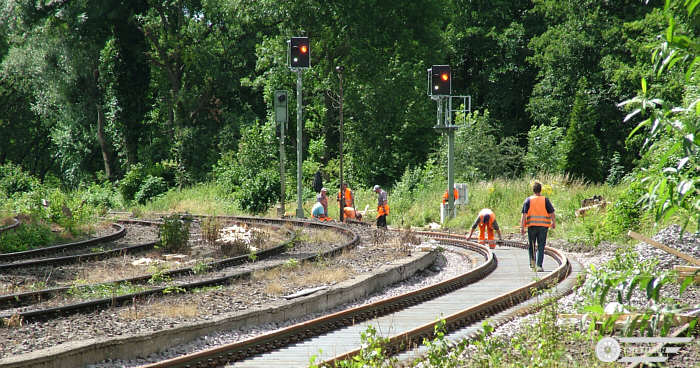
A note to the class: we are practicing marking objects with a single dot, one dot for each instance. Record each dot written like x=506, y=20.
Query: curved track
x=501, y=281
x=22, y=299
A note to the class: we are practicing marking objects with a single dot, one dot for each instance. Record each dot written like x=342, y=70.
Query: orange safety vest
x=349, y=213
x=486, y=227
x=455, y=194
x=537, y=214
x=382, y=210
x=348, y=197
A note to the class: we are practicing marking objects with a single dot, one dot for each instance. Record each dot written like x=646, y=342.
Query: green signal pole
x=300, y=210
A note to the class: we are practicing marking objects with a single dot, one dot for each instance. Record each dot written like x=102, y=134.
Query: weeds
x=211, y=226
x=158, y=274
x=101, y=291
x=201, y=267
x=174, y=233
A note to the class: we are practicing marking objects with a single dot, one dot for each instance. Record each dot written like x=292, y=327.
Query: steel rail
x=49, y=313
x=276, y=339
x=10, y=226
x=238, y=351
x=28, y=298
x=416, y=336
x=16, y=256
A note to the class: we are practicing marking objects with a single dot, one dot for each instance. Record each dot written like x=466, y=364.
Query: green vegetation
x=110, y=105
x=174, y=233
x=101, y=291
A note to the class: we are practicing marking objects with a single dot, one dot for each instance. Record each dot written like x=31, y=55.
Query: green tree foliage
x=672, y=127
x=582, y=149
x=251, y=174
x=546, y=150
x=478, y=152
x=488, y=43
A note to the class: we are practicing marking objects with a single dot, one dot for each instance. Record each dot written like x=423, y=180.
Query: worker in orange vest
x=320, y=208
x=349, y=205
x=486, y=221
x=382, y=206
x=537, y=217
x=455, y=194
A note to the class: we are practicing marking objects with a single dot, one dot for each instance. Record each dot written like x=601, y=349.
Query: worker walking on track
x=486, y=221
x=382, y=206
x=537, y=217
x=349, y=202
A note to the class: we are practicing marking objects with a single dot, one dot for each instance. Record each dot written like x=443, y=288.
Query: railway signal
x=299, y=52
x=440, y=80
x=299, y=58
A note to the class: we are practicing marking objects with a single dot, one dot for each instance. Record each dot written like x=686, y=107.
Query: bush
x=100, y=197
x=258, y=193
x=13, y=180
x=25, y=237
x=545, y=150
x=151, y=187
x=211, y=227
x=626, y=213
x=131, y=182
x=174, y=233
x=251, y=174
x=478, y=152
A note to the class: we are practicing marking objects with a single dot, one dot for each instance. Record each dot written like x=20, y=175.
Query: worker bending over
x=486, y=221
x=349, y=202
x=382, y=206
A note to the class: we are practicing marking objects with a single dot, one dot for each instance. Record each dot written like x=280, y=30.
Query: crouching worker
x=486, y=221
x=351, y=213
x=318, y=213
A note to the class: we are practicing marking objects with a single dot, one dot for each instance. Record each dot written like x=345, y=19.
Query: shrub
x=174, y=233
x=131, y=182
x=626, y=213
x=100, y=197
x=151, y=187
x=25, y=237
x=233, y=248
x=251, y=174
x=545, y=150
x=258, y=193
x=13, y=180
x=211, y=226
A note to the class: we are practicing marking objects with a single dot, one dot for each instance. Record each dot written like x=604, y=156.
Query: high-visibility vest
x=455, y=194
x=349, y=213
x=485, y=227
x=537, y=214
x=382, y=210
x=348, y=197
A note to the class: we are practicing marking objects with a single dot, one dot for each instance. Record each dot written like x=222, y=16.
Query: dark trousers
x=537, y=235
x=381, y=221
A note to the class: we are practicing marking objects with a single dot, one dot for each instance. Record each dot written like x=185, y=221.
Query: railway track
x=45, y=314
x=14, y=224
x=500, y=282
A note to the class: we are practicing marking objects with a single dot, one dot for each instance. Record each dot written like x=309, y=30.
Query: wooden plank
x=663, y=247
x=680, y=268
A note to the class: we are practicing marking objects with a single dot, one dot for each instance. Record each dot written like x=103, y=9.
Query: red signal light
x=444, y=77
x=303, y=49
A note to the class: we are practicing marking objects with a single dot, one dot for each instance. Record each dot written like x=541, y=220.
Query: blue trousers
x=537, y=236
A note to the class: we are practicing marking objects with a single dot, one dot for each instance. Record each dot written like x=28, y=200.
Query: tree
x=672, y=127
x=583, y=153
x=546, y=150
